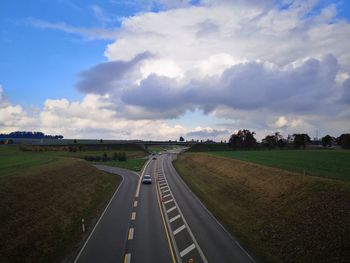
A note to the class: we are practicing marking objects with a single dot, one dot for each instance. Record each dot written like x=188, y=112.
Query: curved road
x=162, y=222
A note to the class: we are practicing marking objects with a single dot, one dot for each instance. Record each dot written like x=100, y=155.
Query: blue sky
x=43, y=50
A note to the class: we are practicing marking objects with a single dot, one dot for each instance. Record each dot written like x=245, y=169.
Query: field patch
x=43, y=199
x=326, y=163
x=280, y=215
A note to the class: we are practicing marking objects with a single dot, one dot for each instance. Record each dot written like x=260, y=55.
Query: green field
x=278, y=215
x=44, y=196
x=40, y=185
x=12, y=159
x=325, y=163
x=131, y=164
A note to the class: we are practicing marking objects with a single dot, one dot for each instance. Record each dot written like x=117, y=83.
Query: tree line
x=28, y=135
x=245, y=140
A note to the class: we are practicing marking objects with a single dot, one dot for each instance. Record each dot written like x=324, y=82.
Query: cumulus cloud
x=110, y=76
x=208, y=133
x=263, y=65
x=12, y=116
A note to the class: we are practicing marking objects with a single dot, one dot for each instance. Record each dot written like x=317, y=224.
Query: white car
x=146, y=179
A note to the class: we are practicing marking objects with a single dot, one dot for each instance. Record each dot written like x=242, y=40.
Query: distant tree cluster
x=245, y=140
x=119, y=156
x=28, y=135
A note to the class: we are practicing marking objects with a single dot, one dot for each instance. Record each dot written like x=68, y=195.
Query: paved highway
x=161, y=222
x=107, y=241
x=216, y=244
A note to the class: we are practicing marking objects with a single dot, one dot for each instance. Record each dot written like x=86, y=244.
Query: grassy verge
x=43, y=199
x=325, y=163
x=131, y=164
x=279, y=215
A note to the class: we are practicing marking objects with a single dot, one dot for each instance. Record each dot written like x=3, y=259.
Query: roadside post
x=83, y=225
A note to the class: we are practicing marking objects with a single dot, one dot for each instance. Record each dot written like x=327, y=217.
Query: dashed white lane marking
x=170, y=200
x=171, y=209
x=165, y=196
x=135, y=203
x=133, y=215
x=187, y=250
x=176, y=231
x=127, y=258
x=131, y=234
x=174, y=218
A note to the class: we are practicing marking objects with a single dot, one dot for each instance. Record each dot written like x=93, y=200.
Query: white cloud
x=12, y=117
x=86, y=33
x=252, y=63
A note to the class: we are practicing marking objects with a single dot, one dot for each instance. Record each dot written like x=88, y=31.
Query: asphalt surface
x=108, y=240
x=215, y=242
x=160, y=222
x=149, y=243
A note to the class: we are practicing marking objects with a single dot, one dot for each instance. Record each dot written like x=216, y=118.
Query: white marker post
x=83, y=225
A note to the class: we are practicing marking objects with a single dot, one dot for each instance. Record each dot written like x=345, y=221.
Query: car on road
x=147, y=179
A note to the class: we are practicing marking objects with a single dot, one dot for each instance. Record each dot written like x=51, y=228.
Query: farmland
x=279, y=215
x=44, y=195
x=325, y=163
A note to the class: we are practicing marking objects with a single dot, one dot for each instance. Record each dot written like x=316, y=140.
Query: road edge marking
x=98, y=221
x=184, y=219
x=127, y=258
x=170, y=243
x=212, y=215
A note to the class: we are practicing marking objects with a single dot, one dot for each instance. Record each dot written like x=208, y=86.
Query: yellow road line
x=165, y=227
x=127, y=258
x=131, y=234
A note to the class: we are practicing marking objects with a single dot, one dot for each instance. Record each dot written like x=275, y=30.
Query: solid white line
x=187, y=250
x=104, y=211
x=162, y=183
x=133, y=215
x=174, y=218
x=161, y=188
x=127, y=258
x=176, y=231
x=165, y=191
x=170, y=200
x=166, y=195
x=135, y=203
x=171, y=209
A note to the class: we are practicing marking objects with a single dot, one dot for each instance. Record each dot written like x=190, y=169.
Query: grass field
x=279, y=215
x=43, y=197
x=131, y=164
x=325, y=163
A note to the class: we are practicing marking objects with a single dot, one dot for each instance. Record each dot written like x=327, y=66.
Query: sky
x=161, y=69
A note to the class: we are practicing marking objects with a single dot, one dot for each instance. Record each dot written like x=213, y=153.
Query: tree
x=182, y=139
x=301, y=140
x=101, y=141
x=243, y=139
x=344, y=140
x=327, y=141
x=269, y=141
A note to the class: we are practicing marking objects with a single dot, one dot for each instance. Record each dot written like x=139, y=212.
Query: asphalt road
x=149, y=242
x=216, y=244
x=108, y=240
x=161, y=222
